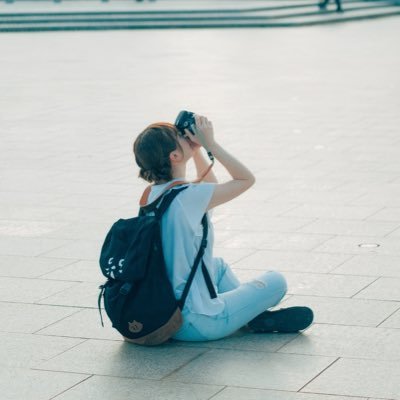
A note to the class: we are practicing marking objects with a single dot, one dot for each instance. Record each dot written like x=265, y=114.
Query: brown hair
x=152, y=149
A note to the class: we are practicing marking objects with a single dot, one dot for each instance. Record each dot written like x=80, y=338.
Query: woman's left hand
x=194, y=145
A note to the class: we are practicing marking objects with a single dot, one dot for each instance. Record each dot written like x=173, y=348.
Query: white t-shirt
x=182, y=232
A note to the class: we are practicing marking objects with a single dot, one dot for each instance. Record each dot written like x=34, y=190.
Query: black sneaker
x=287, y=320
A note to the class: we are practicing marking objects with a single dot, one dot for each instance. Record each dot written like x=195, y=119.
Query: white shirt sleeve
x=194, y=202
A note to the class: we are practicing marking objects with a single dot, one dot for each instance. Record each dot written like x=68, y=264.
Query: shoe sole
x=287, y=320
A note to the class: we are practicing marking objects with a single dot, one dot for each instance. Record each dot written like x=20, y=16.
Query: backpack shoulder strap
x=196, y=263
x=146, y=193
x=166, y=201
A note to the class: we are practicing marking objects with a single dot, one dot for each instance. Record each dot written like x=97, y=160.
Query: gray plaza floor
x=314, y=112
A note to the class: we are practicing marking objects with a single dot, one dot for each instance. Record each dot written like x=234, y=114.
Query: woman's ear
x=175, y=157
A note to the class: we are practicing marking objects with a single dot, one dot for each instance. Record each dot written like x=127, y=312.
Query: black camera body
x=185, y=120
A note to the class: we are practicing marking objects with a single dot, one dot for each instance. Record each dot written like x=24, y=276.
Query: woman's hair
x=152, y=149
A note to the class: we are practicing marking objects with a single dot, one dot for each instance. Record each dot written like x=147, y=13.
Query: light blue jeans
x=243, y=302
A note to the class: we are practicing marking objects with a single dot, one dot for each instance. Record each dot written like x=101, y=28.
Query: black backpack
x=138, y=296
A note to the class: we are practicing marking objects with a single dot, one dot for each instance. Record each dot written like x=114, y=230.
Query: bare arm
x=202, y=164
x=242, y=178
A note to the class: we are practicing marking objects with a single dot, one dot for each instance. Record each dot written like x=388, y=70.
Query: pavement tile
x=122, y=359
x=248, y=369
x=377, y=265
x=347, y=342
x=261, y=208
x=352, y=377
x=257, y=223
x=382, y=289
x=387, y=198
x=26, y=350
x=81, y=294
x=82, y=271
x=30, y=290
x=393, y=321
x=386, y=214
x=331, y=212
x=106, y=388
x=275, y=241
x=341, y=311
x=29, y=267
x=90, y=201
x=18, y=317
x=394, y=234
x=23, y=383
x=21, y=228
x=308, y=284
x=78, y=249
x=83, y=324
x=234, y=393
x=31, y=247
x=22, y=212
x=320, y=198
x=82, y=231
x=245, y=340
x=349, y=228
x=16, y=199
x=350, y=245
x=295, y=261
x=82, y=215
x=231, y=256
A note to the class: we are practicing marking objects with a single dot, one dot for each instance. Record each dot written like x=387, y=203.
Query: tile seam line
x=55, y=293
x=371, y=283
x=396, y=302
x=339, y=396
x=316, y=376
x=283, y=391
x=81, y=341
x=218, y=392
x=345, y=357
x=37, y=332
x=71, y=241
x=71, y=387
x=243, y=257
x=380, y=323
x=345, y=298
x=84, y=337
x=389, y=233
x=165, y=377
x=374, y=213
x=348, y=259
x=49, y=305
x=70, y=263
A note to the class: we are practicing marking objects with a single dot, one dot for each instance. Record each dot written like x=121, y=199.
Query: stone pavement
x=314, y=112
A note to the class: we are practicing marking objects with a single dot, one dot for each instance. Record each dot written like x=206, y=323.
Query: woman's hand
x=204, y=132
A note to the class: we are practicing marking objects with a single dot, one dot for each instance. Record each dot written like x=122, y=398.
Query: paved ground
x=314, y=112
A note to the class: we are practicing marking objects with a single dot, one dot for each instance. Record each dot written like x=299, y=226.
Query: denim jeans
x=243, y=302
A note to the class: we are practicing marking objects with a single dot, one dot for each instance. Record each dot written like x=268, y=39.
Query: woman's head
x=157, y=149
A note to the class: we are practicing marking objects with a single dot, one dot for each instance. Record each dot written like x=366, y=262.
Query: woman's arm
x=202, y=164
x=242, y=178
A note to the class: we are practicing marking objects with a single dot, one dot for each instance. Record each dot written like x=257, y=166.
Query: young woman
x=162, y=153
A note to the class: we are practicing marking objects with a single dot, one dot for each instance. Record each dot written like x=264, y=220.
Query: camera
x=185, y=120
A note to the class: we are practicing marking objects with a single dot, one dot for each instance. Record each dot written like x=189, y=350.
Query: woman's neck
x=179, y=171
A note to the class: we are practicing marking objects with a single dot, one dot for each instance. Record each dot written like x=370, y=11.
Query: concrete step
x=294, y=13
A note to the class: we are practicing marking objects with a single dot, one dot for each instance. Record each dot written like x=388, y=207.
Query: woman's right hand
x=204, y=132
